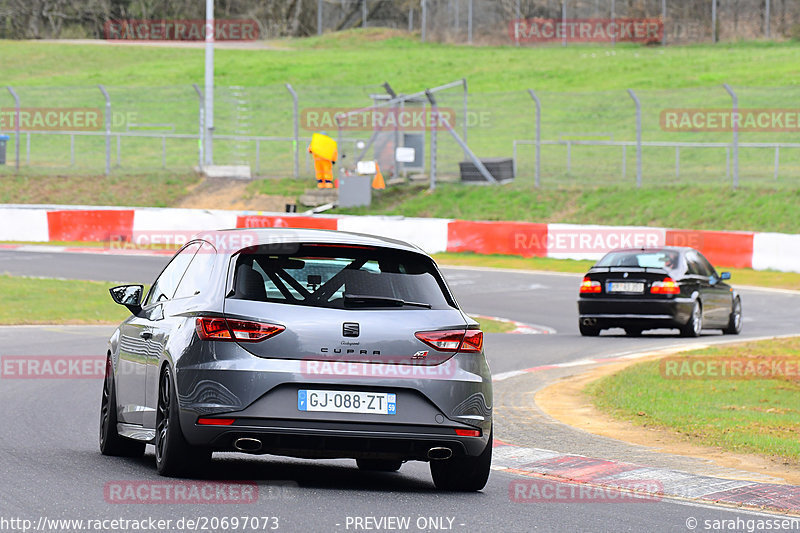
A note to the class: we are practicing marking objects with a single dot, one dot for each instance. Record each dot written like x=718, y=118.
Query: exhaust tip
x=440, y=453
x=589, y=321
x=247, y=444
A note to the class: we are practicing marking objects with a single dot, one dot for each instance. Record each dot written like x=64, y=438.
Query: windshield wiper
x=360, y=299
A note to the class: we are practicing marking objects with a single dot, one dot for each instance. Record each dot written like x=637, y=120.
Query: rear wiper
x=360, y=299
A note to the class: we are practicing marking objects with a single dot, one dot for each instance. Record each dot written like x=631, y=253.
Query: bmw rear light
x=457, y=340
x=227, y=329
x=590, y=286
x=668, y=286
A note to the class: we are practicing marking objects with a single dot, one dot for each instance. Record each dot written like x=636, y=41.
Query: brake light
x=468, y=432
x=590, y=286
x=668, y=286
x=222, y=329
x=215, y=421
x=457, y=340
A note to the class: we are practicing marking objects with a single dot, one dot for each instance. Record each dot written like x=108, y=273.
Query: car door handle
x=146, y=335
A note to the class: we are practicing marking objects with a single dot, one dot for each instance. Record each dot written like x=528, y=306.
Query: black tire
x=111, y=442
x=695, y=324
x=633, y=332
x=464, y=474
x=735, y=320
x=588, y=331
x=379, y=465
x=174, y=456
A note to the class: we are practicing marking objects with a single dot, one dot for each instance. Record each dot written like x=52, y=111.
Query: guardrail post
x=537, y=174
x=466, y=108
x=469, y=22
x=201, y=121
x=713, y=21
x=16, y=125
x=735, y=124
x=108, y=128
x=638, y=137
x=296, y=142
x=777, y=160
x=424, y=21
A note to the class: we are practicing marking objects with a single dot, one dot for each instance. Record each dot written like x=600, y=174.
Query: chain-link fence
x=684, y=136
x=504, y=21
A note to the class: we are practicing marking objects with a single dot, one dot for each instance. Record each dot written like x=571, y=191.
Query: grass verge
x=759, y=416
x=158, y=189
x=740, y=276
x=56, y=301
x=682, y=207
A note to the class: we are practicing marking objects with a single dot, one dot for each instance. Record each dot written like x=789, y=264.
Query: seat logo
x=350, y=329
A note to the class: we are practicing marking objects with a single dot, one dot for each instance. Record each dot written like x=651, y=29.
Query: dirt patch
x=566, y=402
x=231, y=194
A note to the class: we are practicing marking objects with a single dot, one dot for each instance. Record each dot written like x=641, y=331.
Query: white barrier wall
x=430, y=234
x=776, y=251
x=24, y=225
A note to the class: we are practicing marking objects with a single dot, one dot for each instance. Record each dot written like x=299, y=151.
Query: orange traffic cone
x=377, y=181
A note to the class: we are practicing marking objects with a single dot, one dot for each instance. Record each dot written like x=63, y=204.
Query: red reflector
x=468, y=432
x=216, y=421
x=668, y=286
x=221, y=329
x=454, y=340
x=590, y=286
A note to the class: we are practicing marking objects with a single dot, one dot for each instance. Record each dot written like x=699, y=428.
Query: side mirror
x=128, y=295
x=725, y=276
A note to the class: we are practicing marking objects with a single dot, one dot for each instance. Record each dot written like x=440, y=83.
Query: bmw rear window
x=340, y=276
x=666, y=259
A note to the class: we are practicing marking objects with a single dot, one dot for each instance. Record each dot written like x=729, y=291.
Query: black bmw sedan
x=649, y=288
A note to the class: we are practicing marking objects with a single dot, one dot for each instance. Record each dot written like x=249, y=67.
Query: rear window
x=666, y=259
x=341, y=277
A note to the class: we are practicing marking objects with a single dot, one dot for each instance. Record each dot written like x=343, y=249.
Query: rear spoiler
x=652, y=270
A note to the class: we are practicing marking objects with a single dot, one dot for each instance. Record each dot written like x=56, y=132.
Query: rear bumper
x=262, y=396
x=341, y=440
x=648, y=313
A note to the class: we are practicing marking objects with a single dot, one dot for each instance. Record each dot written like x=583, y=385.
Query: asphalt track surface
x=50, y=466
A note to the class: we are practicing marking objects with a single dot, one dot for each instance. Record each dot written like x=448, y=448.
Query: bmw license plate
x=331, y=401
x=624, y=286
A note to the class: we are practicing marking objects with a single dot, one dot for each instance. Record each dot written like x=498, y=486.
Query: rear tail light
x=468, y=432
x=590, y=286
x=215, y=421
x=227, y=329
x=457, y=340
x=668, y=286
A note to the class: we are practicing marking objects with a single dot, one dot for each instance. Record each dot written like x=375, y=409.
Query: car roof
x=260, y=236
x=653, y=249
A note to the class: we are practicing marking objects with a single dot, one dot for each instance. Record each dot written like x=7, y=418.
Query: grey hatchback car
x=302, y=343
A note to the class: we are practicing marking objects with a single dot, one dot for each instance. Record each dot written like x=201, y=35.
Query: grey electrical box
x=355, y=191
